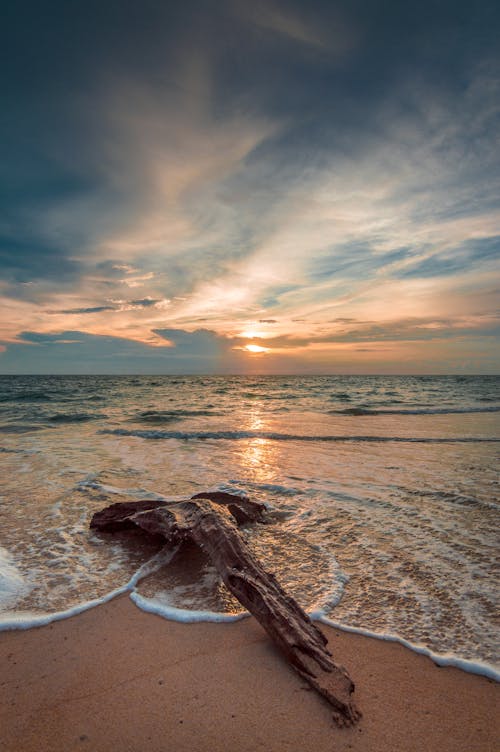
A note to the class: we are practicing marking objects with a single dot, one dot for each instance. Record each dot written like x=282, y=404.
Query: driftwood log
x=208, y=519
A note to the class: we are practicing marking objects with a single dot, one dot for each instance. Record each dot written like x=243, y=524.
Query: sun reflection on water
x=258, y=454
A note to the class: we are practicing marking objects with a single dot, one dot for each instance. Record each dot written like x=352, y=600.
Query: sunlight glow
x=252, y=333
x=256, y=349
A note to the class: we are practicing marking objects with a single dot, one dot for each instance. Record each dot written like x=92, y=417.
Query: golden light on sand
x=256, y=349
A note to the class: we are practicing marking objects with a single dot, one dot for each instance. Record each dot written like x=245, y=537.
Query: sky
x=250, y=187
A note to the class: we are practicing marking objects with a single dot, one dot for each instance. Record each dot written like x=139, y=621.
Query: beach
x=381, y=512
x=115, y=677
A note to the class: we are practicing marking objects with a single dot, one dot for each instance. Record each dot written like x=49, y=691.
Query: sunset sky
x=250, y=187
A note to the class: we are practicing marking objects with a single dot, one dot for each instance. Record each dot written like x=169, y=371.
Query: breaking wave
x=415, y=411
x=238, y=435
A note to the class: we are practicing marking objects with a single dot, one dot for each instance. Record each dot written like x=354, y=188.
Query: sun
x=256, y=349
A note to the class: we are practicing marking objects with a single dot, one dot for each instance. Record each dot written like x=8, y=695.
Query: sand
x=116, y=678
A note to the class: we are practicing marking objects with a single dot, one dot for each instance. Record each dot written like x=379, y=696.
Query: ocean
x=382, y=495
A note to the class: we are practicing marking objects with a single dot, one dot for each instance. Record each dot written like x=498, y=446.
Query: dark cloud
x=25, y=260
x=200, y=343
x=95, y=309
x=122, y=305
x=39, y=338
x=201, y=351
x=204, y=351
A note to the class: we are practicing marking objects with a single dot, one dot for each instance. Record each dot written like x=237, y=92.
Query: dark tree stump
x=206, y=519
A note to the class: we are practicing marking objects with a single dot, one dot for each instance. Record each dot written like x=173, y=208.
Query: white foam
x=12, y=582
x=135, y=493
x=183, y=615
x=276, y=489
x=441, y=659
x=27, y=619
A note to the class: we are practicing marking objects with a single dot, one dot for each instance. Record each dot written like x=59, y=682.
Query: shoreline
x=116, y=677
x=21, y=622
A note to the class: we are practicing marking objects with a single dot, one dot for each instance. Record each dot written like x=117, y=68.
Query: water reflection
x=258, y=455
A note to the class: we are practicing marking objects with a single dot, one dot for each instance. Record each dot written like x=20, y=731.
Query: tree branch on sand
x=208, y=519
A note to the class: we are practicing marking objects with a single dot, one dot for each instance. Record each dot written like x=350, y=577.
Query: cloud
x=301, y=25
x=144, y=302
x=94, y=309
x=395, y=346
x=80, y=352
x=25, y=259
x=121, y=305
x=215, y=351
x=470, y=255
x=274, y=162
x=348, y=331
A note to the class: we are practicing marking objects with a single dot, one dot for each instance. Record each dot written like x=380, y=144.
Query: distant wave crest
x=415, y=411
x=238, y=435
x=169, y=416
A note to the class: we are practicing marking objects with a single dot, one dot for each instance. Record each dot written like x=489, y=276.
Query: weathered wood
x=119, y=516
x=207, y=522
x=241, y=507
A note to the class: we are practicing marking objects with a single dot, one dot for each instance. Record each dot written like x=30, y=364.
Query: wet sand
x=116, y=678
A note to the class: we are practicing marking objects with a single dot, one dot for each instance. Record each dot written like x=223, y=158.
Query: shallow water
x=382, y=493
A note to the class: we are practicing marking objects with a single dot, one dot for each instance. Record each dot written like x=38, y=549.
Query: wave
x=20, y=428
x=415, y=411
x=30, y=396
x=238, y=435
x=74, y=417
x=169, y=416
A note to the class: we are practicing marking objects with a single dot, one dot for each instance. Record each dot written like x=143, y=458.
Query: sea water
x=382, y=497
